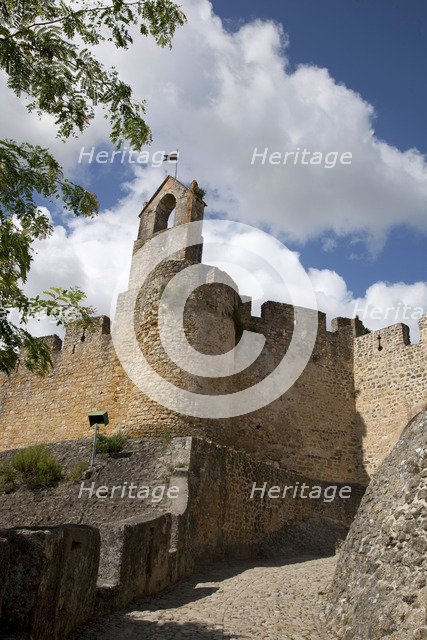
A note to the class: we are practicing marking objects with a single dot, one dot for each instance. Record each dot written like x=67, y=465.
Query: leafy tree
x=45, y=52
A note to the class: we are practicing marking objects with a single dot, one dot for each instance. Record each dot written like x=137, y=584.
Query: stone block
x=4, y=568
x=135, y=560
x=52, y=580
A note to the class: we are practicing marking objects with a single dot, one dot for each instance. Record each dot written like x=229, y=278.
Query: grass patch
x=34, y=467
x=111, y=444
x=166, y=437
x=169, y=473
x=75, y=474
x=8, y=480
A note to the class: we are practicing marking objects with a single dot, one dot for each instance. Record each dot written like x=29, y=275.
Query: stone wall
x=335, y=423
x=50, y=580
x=86, y=375
x=138, y=558
x=225, y=520
x=215, y=492
x=312, y=428
x=379, y=588
x=390, y=379
x=145, y=553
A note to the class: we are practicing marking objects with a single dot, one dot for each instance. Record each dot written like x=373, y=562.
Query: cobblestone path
x=277, y=600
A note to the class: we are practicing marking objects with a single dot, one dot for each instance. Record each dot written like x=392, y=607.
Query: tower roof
x=167, y=179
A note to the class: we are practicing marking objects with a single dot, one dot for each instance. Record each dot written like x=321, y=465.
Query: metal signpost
x=95, y=419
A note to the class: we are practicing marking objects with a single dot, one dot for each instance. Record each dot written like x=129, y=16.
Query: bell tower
x=172, y=204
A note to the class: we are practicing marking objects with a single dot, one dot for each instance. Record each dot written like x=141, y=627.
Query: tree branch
x=72, y=13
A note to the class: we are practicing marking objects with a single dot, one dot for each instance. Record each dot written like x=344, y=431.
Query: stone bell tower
x=209, y=327
x=171, y=205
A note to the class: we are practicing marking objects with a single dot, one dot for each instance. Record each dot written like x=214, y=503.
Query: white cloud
x=328, y=244
x=95, y=255
x=217, y=95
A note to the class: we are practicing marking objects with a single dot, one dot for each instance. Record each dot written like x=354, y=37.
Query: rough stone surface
x=336, y=423
x=4, y=568
x=51, y=581
x=138, y=559
x=281, y=599
x=379, y=589
x=225, y=521
x=334, y=426
x=390, y=386
x=216, y=492
x=215, y=518
x=145, y=462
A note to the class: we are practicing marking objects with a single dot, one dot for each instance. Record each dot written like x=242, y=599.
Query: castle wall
x=390, y=385
x=228, y=517
x=339, y=419
x=86, y=376
x=144, y=554
x=379, y=586
x=312, y=428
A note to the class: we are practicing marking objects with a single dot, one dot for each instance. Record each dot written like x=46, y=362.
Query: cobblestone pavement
x=277, y=600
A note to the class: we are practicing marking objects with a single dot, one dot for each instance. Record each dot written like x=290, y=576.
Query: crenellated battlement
x=390, y=377
x=77, y=337
x=54, y=343
x=384, y=340
x=337, y=421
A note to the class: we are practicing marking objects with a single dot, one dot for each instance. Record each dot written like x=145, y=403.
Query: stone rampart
x=339, y=419
x=390, y=379
x=51, y=567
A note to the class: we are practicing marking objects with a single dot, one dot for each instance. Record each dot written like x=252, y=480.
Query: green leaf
x=45, y=54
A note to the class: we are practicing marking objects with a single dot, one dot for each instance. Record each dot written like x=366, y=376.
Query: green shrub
x=111, y=444
x=7, y=477
x=199, y=192
x=75, y=474
x=36, y=466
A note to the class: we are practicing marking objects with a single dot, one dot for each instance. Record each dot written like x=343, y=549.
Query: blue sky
x=324, y=75
x=378, y=49
x=375, y=47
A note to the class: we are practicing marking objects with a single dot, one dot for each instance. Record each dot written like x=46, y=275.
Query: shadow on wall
x=360, y=432
x=48, y=566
